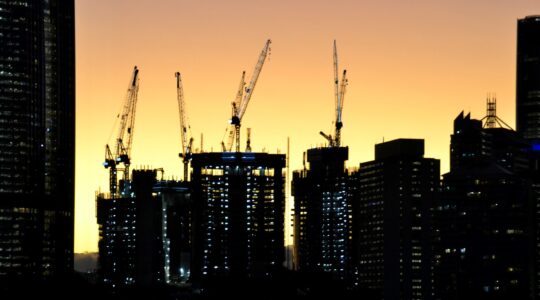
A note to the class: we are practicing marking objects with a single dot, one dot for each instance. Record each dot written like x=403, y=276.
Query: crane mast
x=339, y=96
x=242, y=100
x=231, y=130
x=339, y=108
x=184, y=126
x=124, y=137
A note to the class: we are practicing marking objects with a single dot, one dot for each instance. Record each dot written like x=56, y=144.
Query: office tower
x=528, y=111
x=398, y=191
x=473, y=144
x=322, y=209
x=37, y=136
x=238, y=215
x=144, y=238
x=485, y=247
x=528, y=79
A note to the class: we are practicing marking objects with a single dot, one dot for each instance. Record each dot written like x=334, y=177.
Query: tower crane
x=339, y=95
x=231, y=130
x=121, y=153
x=184, y=126
x=241, y=102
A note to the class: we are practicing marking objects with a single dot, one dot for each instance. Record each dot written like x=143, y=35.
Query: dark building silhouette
x=528, y=110
x=485, y=246
x=393, y=225
x=37, y=121
x=321, y=213
x=472, y=144
x=144, y=239
x=528, y=79
x=238, y=215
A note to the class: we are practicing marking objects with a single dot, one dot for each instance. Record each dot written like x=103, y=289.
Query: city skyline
x=435, y=66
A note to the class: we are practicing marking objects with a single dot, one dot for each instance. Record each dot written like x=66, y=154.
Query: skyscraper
x=131, y=247
x=238, y=215
x=322, y=209
x=528, y=110
x=144, y=238
x=393, y=225
x=485, y=219
x=37, y=135
x=472, y=145
x=528, y=78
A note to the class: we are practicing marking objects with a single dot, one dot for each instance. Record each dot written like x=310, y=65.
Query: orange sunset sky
x=412, y=67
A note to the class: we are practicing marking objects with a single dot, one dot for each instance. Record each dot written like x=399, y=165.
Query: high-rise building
x=473, y=144
x=37, y=138
x=144, y=237
x=393, y=225
x=528, y=79
x=238, y=215
x=485, y=246
x=322, y=213
x=528, y=110
x=130, y=235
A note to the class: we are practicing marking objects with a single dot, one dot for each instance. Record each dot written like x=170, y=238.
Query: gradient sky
x=412, y=67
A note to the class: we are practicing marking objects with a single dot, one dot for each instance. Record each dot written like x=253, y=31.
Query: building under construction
x=238, y=214
x=321, y=200
x=144, y=237
x=321, y=212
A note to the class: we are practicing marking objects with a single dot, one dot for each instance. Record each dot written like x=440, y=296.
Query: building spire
x=491, y=119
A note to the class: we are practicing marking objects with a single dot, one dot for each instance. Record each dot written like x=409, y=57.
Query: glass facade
x=528, y=78
x=37, y=121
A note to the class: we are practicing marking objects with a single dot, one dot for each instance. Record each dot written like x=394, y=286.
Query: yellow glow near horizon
x=412, y=67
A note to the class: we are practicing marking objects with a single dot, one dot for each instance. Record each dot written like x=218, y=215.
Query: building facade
x=238, y=215
x=393, y=226
x=37, y=138
x=322, y=213
x=144, y=239
x=176, y=207
x=528, y=78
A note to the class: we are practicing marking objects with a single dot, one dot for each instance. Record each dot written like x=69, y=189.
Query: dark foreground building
x=321, y=213
x=528, y=78
x=238, y=211
x=485, y=221
x=37, y=122
x=528, y=108
x=393, y=226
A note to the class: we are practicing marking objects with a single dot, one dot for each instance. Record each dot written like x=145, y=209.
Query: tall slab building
x=393, y=226
x=528, y=112
x=528, y=78
x=321, y=213
x=238, y=215
x=37, y=136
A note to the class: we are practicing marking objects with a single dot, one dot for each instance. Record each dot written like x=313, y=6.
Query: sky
x=412, y=65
